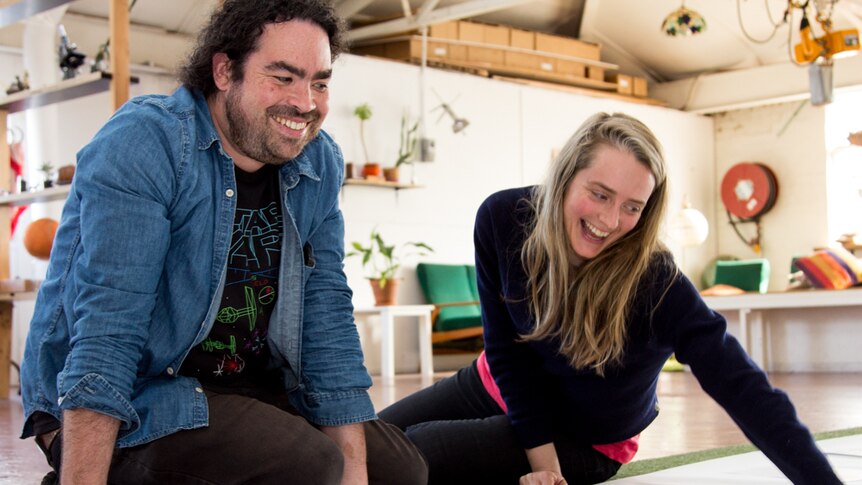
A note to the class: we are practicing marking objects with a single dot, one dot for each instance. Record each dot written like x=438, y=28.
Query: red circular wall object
x=749, y=190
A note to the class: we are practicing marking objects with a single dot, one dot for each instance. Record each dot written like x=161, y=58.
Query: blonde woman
x=582, y=305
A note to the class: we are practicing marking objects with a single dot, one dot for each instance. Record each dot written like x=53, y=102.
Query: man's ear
x=221, y=70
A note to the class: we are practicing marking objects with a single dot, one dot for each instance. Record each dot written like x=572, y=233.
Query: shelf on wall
x=17, y=296
x=24, y=9
x=81, y=85
x=381, y=183
x=58, y=192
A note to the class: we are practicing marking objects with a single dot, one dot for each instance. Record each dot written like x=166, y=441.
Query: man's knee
x=392, y=458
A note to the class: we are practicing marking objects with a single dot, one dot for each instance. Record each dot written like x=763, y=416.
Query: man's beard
x=261, y=143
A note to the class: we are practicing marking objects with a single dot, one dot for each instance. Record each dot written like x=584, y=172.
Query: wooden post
x=5, y=347
x=6, y=183
x=119, y=26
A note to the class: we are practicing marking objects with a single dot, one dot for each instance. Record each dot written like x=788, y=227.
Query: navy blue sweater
x=546, y=396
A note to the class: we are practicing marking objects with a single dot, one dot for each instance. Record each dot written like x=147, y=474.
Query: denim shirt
x=138, y=268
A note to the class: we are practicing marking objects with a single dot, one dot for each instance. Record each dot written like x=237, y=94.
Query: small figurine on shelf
x=21, y=83
x=47, y=170
x=102, y=62
x=70, y=57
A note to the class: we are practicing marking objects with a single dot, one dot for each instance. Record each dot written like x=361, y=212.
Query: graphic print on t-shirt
x=250, y=289
x=235, y=351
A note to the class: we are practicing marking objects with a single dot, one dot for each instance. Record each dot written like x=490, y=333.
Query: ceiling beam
x=426, y=8
x=349, y=8
x=455, y=12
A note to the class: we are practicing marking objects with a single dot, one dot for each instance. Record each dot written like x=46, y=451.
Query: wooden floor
x=689, y=419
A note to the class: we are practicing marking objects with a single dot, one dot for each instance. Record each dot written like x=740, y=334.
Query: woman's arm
x=728, y=375
x=515, y=365
x=545, y=465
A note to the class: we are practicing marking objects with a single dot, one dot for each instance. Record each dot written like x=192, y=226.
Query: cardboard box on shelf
x=446, y=30
x=639, y=87
x=485, y=56
x=571, y=67
x=522, y=39
x=596, y=73
x=567, y=46
x=495, y=34
x=471, y=31
x=623, y=81
x=528, y=60
x=411, y=49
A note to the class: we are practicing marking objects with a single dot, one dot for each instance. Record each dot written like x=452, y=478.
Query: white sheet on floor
x=845, y=454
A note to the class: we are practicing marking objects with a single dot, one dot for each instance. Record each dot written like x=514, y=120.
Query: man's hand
x=88, y=445
x=351, y=439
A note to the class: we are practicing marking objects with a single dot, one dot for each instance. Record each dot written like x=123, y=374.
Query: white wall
x=513, y=129
x=790, y=143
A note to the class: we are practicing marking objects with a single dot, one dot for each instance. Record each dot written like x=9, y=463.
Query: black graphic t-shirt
x=235, y=352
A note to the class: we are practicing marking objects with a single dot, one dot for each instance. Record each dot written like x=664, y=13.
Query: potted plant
x=363, y=112
x=382, y=262
x=406, y=149
x=46, y=170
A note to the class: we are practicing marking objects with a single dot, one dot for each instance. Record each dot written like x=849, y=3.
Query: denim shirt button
x=228, y=192
x=170, y=371
x=198, y=389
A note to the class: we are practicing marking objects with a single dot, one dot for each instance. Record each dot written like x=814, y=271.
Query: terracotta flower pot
x=385, y=295
x=371, y=170
x=391, y=174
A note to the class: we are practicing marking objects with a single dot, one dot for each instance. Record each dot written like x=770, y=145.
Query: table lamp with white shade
x=689, y=228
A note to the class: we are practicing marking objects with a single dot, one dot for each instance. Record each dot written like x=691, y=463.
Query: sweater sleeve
x=728, y=375
x=515, y=365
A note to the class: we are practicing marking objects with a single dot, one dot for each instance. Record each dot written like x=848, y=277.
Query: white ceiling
x=628, y=30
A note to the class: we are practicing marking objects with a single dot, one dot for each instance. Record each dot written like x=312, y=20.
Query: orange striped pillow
x=825, y=269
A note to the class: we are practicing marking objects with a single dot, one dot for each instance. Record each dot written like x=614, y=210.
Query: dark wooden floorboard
x=689, y=420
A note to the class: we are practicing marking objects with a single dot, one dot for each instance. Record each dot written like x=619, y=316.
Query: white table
x=755, y=303
x=387, y=342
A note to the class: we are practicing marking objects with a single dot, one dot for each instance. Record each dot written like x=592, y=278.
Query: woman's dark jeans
x=466, y=437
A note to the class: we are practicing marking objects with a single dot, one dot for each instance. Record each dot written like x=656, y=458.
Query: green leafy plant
x=382, y=260
x=363, y=112
x=407, y=147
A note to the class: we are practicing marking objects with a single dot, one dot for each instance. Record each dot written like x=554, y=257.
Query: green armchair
x=452, y=289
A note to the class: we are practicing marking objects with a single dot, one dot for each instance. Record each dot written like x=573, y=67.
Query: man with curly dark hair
x=208, y=335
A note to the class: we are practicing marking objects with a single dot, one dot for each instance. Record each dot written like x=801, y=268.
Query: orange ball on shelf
x=39, y=237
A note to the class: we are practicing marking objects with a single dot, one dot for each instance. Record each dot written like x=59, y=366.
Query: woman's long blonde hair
x=586, y=305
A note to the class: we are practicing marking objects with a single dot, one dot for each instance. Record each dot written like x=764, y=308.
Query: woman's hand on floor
x=542, y=478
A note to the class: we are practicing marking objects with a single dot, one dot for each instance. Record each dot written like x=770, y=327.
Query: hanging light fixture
x=683, y=22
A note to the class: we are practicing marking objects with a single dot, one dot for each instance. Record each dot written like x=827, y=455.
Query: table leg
x=743, y=329
x=426, y=359
x=387, y=346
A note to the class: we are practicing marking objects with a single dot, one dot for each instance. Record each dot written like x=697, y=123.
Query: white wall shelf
x=381, y=183
x=24, y=9
x=59, y=192
x=81, y=85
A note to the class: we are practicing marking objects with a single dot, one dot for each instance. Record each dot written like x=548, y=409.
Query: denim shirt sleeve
x=123, y=188
x=335, y=383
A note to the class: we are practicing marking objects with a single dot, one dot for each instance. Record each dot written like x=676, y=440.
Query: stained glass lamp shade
x=683, y=22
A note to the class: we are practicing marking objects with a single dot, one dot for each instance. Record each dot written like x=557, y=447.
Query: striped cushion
x=832, y=268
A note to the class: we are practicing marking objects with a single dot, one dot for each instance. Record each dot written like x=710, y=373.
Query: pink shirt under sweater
x=622, y=451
